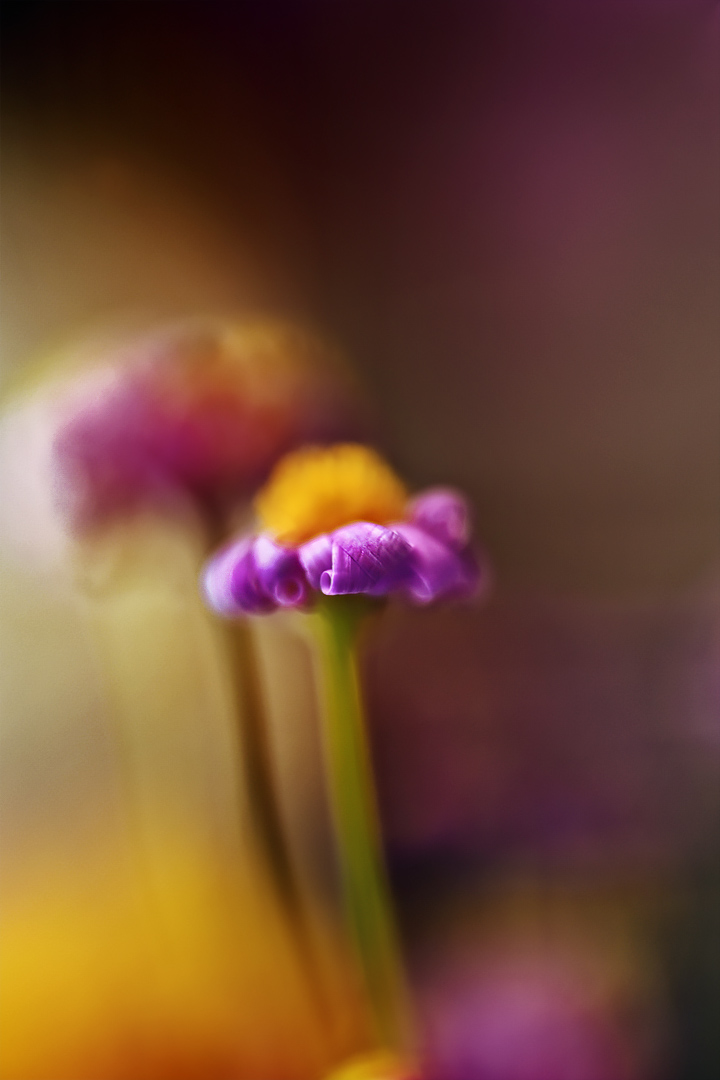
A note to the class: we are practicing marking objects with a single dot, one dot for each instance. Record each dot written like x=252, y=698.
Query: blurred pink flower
x=202, y=410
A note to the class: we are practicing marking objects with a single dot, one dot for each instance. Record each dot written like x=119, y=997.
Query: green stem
x=365, y=887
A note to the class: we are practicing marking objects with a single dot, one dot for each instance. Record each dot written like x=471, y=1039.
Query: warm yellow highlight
x=380, y=1066
x=189, y=974
x=317, y=489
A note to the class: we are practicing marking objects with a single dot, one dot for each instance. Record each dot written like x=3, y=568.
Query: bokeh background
x=507, y=213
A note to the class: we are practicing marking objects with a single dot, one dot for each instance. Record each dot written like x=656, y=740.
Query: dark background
x=506, y=212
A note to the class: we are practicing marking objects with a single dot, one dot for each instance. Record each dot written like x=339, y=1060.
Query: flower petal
x=439, y=570
x=217, y=578
x=253, y=576
x=367, y=558
x=315, y=558
x=444, y=514
x=280, y=572
x=231, y=583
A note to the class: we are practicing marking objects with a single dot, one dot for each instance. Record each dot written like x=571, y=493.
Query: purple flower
x=529, y=1012
x=363, y=558
x=424, y=559
x=444, y=514
x=255, y=576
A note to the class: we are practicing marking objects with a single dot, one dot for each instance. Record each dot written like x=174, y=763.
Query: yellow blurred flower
x=191, y=974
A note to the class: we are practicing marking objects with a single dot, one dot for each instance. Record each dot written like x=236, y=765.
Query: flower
x=338, y=522
x=201, y=409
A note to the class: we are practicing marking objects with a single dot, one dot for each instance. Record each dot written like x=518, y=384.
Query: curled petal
x=246, y=587
x=439, y=570
x=253, y=577
x=217, y=579
x=444, y=514
x=279, y=572
x=367, y=558
x=316, y=558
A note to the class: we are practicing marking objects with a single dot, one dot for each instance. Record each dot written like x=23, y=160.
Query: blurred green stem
x=366, y=892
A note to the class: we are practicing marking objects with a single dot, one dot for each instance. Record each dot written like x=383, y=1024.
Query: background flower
x=201, y=410
x=184, y=897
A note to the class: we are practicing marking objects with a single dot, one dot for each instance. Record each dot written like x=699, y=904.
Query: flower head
x=338, y=521
x=202, y=410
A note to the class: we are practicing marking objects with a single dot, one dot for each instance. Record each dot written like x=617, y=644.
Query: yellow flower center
x=317, y=489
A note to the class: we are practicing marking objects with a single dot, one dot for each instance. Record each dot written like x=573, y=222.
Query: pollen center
x=317, y=489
